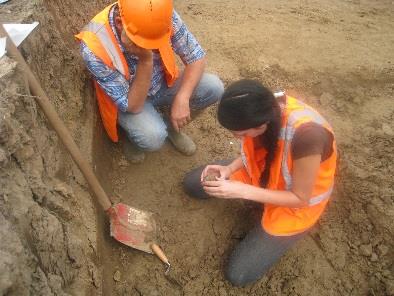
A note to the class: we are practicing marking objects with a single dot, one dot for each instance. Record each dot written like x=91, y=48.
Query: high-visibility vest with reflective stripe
x=100, y=39
x=279, y=220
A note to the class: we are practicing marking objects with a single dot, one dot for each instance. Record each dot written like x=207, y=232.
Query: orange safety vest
x=279, y=220
x=100, y=39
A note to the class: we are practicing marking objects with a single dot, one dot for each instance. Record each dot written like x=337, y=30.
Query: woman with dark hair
x=287, y=163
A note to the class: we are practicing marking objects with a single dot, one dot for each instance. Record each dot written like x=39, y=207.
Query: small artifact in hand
x=210, y=177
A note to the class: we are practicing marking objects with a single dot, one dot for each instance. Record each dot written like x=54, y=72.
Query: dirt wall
x=48, y=226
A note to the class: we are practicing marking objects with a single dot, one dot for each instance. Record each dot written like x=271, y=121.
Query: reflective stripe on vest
x=319, y=198
x=287, y=135
x=101, y=32
x=281, y=220
x=101, y=40
x=243, y=158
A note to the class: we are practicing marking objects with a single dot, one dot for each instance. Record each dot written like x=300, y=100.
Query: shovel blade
x=132, y=227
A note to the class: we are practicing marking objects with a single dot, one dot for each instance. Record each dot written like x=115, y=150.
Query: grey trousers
x=257, y=252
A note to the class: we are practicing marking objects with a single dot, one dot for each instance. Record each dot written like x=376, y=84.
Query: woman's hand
x=228, y=189
x=219, y=171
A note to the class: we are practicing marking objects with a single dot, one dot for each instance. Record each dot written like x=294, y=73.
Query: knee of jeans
x=210, y=90
x=235, y=276
x=151, y=140
x=215, y=85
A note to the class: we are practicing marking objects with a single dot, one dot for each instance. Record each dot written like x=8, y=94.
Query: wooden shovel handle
x=159, y=253
x=57, y=124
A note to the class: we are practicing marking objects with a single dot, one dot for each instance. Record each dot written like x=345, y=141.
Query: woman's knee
x=192, y=180
x=192, y=184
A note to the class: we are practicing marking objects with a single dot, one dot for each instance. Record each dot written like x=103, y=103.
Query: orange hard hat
x=147, y=22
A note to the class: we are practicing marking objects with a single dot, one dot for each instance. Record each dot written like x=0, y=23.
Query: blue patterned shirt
x=115, y=84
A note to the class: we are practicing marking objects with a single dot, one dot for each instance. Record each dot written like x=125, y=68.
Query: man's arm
x=114, y=84
x=180, y=111
x=129, y=96
x=138, y=91
x=193, y=57
x=191, y=77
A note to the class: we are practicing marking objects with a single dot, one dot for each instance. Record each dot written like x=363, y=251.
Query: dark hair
x=248, y=104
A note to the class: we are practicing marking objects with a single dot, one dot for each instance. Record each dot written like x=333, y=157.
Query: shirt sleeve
x=311, y=138
x=183, y=42
x=115, y=85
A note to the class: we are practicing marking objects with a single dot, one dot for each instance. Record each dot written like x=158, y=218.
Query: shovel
x=130, y=226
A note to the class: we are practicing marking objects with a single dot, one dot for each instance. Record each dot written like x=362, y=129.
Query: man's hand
x=180, y=110
x=225, y=188
x=138, y=90
x=132, y=48
x=144, y=55
x=180, y=113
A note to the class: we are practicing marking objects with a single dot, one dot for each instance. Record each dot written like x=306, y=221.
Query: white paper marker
x=17, y=32
x=2, y=46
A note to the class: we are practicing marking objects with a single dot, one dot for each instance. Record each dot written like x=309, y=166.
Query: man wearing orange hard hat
x=130, y=48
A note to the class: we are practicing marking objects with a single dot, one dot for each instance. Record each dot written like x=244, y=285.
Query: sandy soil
x=336, y=55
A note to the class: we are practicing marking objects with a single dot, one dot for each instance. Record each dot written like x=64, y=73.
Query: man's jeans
x=148, y=130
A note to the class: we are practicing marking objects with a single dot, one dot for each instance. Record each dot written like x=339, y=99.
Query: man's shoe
x=133, y=153
x=182, y=142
